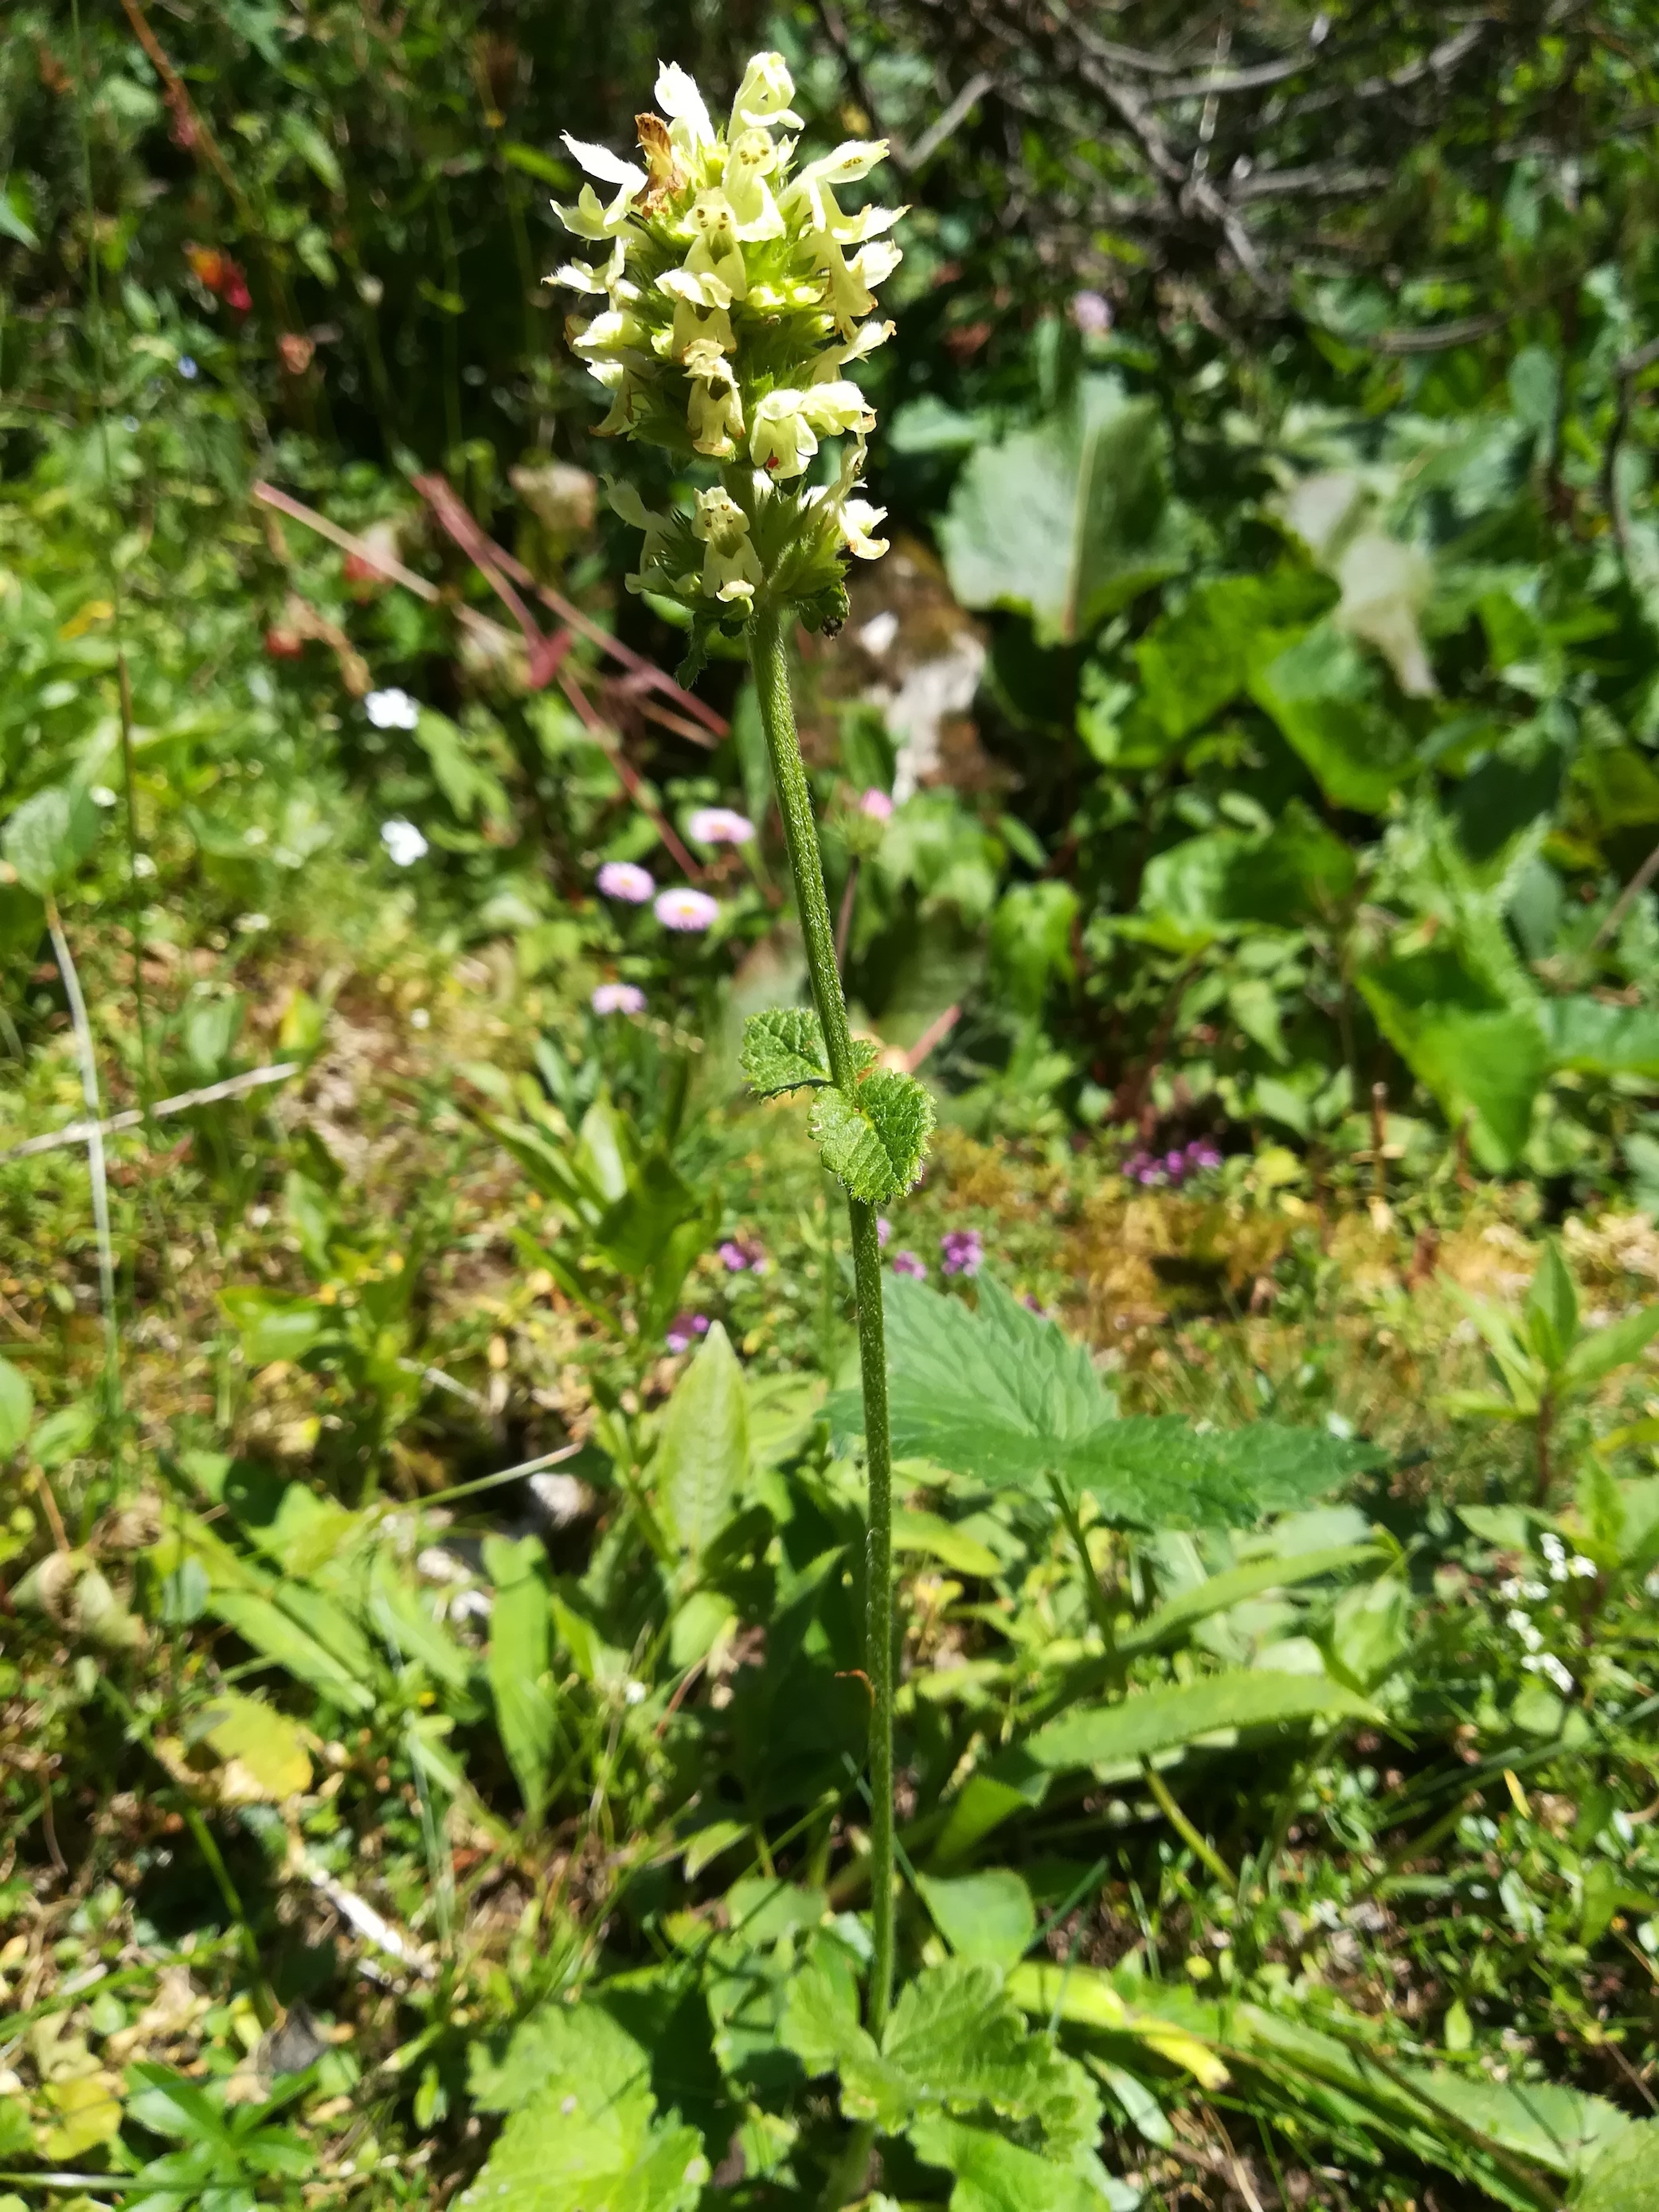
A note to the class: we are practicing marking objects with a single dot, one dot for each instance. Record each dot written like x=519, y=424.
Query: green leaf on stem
x=783, y=1049
x=875, y=1140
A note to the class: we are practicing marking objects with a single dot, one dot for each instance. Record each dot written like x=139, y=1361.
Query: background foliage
x=1263, y=677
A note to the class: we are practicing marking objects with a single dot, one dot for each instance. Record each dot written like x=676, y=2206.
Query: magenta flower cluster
x=906, y=1263
x=962, y=1252
x=1169, y=1171
x=742, y=1258
x=684, y=1330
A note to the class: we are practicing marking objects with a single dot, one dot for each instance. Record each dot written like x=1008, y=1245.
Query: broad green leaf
x=263, y=1749
x=16, y=1408
x=1552, y=1308
x=955, y=2043
x=995, y=2175
x=1370, y=1631
x=584, y=2134
x=272, y=1328
x=1622, y=2177
x=48, y=835
x=987, y=1916
x=169, y=2104
x=1482, y=1059
x=875, y=1141
x=520, y=1661
x=1552, y=2126
x=1002, y=1397
x=88, y=2113
x=1616, y=1345
x=283, y=1639
x=1030, y=940
x=1593, y=1039
x=1070, y=521
x=65, y=1434
x=1149, y=1721
x=783, y=1049
x=1328, y=697
x=702, y=1456
x=820, y=2022
x=935, y=1538
x=1234, y=1584
x=1196, y=660
x=1086, y=1997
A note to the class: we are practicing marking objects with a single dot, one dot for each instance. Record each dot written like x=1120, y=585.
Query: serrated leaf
x=1560, y=2128
x=585, y=2134
x=1150, y=1722
x=995, y=2175
x=1004, y=1397
x=703, y=1458
x=783, y=1049
x=875, y=1141
x=956, y=2045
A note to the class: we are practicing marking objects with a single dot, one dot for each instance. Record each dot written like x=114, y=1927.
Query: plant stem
x=769, y=652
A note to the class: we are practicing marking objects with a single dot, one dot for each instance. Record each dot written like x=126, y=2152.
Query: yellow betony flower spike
x=735, y=291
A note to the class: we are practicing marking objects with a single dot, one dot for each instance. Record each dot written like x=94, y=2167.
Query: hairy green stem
x=768, y=654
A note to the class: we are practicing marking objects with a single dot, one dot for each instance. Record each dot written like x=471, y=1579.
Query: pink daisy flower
x=721, y=825
x=685, y=909
x=626, y=880
x=617, y=998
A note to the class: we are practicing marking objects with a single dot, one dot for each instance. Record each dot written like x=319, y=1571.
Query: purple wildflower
x=737, y=1257
x=684, y=1328
x=626, y=881
x=617, y=998
x=906, y=1263
x=876, y=803
x=1092, y=313
x=884, y=1231
x=963, y=1252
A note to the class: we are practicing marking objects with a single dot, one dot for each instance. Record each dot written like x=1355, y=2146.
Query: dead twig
x=83, y=1133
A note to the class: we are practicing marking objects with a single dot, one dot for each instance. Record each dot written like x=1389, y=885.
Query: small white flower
x=1585, y=1569
x=634, y=1693
x=142, y=864
x=1551, y=1545
x=101, y=795
x=420, y=1018
x=251, y=924
x=403, y=840
x=472, y=1605
x=391, y=710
